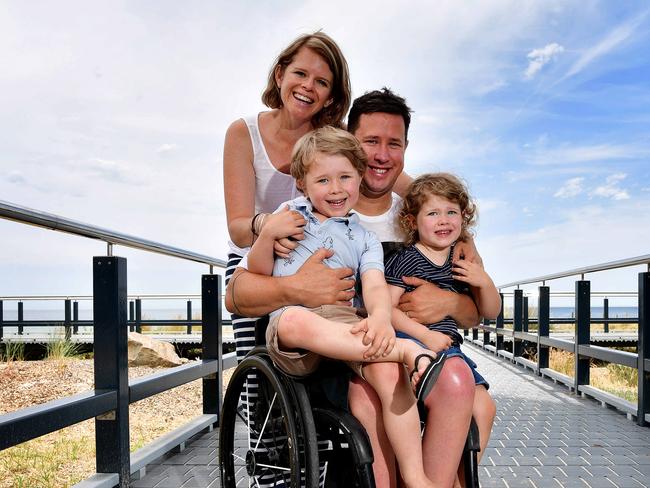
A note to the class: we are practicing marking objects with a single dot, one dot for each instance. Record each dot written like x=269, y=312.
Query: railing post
x=68, y=318
x=138, y=315
x=606, y=314
x=111, y=365
x=20, y=317
x=486, y=333
x=525, y=312
x=644, y=348
x=189, y=316
x=517, y=324
x=474, y=333
x=211, y=341
x=1, y=318
x=582, y=331
x=131, y=316
x=543, y=326
x=75, y=317
x=498, y=340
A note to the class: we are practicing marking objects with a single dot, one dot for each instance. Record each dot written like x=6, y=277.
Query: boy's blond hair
x=444, y=185
x=330, y=141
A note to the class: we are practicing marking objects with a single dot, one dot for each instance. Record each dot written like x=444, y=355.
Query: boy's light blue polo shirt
x=354, y=247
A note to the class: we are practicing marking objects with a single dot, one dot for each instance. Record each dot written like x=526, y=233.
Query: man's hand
x=317, y=284
x=436, y=341
x=466, y=251
x=427, y=304
x=379, y=336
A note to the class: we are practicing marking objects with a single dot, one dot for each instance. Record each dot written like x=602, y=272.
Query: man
x=380, y=121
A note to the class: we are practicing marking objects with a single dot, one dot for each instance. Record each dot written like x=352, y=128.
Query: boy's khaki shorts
x=300, y=362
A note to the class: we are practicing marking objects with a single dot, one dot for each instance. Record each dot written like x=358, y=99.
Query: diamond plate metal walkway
x=543, y=436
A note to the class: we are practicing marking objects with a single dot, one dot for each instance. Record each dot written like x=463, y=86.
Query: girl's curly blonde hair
x=444, y=185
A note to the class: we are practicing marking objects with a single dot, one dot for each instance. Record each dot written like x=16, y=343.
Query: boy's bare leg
x=484, y=410
x=400, y=417
x=366, y=407
x=449, y=413
x=299, y=328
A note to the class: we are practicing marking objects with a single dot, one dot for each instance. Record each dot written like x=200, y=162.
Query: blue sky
x=114, y=113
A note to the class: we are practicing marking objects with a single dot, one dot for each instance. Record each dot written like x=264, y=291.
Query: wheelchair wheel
x=261, y=442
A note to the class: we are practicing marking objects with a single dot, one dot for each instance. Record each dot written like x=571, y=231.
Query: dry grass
x=66, y=457
x=612, y=378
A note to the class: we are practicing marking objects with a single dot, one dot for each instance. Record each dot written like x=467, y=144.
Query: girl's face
x=332, y=185
x=305, y=84
x=439, y=223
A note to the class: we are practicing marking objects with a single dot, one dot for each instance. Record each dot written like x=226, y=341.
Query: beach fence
x=109, y=402
x=517, y=337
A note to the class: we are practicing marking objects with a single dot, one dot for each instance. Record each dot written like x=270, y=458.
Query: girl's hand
x=471, y=273
x=437, y=341
x=283, y=224
x=466, y=251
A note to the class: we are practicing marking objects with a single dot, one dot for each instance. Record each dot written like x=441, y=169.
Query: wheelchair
x=285, y=432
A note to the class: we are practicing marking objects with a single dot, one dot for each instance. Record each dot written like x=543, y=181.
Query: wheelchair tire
x=262, y=443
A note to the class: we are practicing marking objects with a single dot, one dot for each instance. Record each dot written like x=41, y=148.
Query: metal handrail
x=155, y=296
x=622, y=263
x=37, y=218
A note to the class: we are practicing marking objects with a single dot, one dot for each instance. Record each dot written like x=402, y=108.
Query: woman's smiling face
x=305, y=84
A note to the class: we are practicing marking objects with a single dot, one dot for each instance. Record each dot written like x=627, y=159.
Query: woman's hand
x=467, y=251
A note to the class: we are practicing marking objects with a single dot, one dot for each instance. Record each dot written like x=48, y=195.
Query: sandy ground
x=63, y=458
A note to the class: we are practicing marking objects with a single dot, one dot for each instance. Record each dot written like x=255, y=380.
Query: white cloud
x=571, y=188
x=611, y=41
x=571, y=154
x=166, y=148
x=537, y=58
x=611, y=188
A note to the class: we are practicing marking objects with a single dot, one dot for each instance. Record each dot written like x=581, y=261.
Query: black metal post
x=606, y=314
x=211, y=341
x=68, y=318
x=525, y=311
x=582, y=331
x=111, y=365
x=20, y=317
x=189, y=316
x=138, y=315
x=644, y=348
x=131, y=315
x=486, y=333
x=474, y=333
x=1, y=318
x=517, y=324
x=498, y=341
x=543, y=326
x=75, y=317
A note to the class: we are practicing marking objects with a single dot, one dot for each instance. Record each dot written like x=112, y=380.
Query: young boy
x=328, y=165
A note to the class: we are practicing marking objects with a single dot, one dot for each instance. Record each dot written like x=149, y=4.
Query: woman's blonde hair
x=341, y=93
x=326, y=140
x=443, y=185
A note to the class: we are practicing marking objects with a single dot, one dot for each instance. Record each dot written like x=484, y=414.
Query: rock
x=147, y=351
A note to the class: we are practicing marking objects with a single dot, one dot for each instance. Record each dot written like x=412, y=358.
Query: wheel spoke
x=268, y=414
x=279, y=468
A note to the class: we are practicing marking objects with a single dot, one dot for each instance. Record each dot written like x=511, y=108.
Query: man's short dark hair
x=379, y=101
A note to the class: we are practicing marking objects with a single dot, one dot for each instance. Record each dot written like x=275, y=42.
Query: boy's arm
x=313, y=285
x=380, y=335
x=428, y=304
x=486, y=295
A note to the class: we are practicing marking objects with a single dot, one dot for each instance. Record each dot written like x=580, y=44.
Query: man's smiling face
x=382, y=137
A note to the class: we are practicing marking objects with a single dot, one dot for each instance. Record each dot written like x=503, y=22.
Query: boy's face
x=439, y=222
x=332, y=185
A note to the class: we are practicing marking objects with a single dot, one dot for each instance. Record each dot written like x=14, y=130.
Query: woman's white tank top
x=272, y=187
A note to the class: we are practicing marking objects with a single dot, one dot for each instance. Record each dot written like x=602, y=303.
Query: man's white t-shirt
x=386, y=225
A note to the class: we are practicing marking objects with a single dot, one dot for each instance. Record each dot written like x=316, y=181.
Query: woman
x=308, y=87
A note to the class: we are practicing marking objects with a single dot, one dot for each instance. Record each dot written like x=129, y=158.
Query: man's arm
x=429, y=304
x=313, y=285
